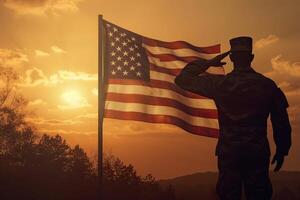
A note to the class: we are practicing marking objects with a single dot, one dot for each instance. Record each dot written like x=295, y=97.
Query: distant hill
x=286, y=185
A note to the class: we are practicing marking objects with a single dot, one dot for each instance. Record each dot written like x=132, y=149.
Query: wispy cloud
x=88, y=117
x=37, y=102
x=285, y=73
x=69, y=75
x=12, y=58
x=58, y=50
x=42, y=7
x=49, y=122
x=35, y=77
x=40, y=53
x=263, y=42
x=287, y=76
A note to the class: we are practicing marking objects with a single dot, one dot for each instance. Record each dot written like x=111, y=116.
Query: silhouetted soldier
x=244, y=99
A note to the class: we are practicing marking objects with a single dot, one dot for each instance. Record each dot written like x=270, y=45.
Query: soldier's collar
x=243, y=69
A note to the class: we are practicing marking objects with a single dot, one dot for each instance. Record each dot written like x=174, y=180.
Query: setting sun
x=73, y=99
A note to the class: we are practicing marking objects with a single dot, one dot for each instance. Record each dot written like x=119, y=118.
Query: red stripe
x=172, y=57
x=181, y=45
x=173, y=72
x=136, y=116
x=157, y=84
x=160, y=101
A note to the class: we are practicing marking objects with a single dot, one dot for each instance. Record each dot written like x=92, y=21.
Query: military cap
x=242, y=43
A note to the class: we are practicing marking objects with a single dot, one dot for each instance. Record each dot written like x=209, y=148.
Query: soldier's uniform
x=244, y=99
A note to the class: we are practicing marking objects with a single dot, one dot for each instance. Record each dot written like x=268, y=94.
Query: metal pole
x=101, y=100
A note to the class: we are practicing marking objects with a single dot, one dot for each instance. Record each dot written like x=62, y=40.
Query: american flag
x=140, y=83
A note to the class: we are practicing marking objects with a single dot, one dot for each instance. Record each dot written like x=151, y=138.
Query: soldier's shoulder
x=266, y=79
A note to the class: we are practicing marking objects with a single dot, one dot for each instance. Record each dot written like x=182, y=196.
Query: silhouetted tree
x=33, y=167
x=122, y=182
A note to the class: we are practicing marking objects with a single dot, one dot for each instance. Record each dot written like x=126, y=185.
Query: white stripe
x=161, y=110
x=181, y=64
x=176, y=64
x=154, y=75
x=178, y=52
x=158, y=92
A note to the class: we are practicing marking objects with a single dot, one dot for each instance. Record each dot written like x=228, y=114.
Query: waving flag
x=141, y=73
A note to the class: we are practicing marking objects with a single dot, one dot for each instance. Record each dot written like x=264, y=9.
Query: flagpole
x=101, y=101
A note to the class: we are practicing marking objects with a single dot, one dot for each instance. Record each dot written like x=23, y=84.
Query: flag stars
x=125, y=63
x=125, y=73
x=125, y=55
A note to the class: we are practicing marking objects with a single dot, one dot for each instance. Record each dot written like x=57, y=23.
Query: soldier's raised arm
x=281, y=128
x=191, y=77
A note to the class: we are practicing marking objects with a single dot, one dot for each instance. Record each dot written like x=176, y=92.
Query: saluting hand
x=279, y=159
x=216, y=61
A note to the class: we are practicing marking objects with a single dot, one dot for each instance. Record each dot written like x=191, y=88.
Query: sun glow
x=73, y=99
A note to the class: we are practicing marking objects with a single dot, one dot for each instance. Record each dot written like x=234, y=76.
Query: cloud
x=271, y=39
x=42, y=7
x=287, y=76
x=37, y=102
x=58, y=50
x=83, y=104
x=69, y=75
x=89, y=116
x=35, y=77
x=285, y=73
x=40, y=53
x=12, y=58
x=50, y=122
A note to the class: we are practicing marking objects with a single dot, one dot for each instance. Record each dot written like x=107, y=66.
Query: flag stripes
x=159, y=99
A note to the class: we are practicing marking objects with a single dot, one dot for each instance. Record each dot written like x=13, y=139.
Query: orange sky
x=53, y=46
